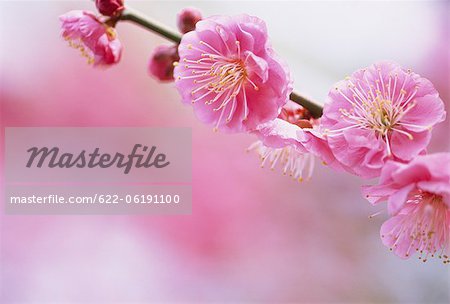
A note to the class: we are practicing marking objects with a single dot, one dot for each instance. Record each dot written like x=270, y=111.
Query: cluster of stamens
x=219, y=79
x=79, y=45
x=292, y=163
x=424, y=229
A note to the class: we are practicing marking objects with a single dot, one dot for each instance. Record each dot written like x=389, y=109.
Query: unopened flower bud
x=187, y=18
x=109, y=7
x=162, y=60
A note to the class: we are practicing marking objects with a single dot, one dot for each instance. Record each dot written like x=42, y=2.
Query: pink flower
x=187, y=19
x=230, y=74
x=315, y=143
x=96, y=40
x=161, y=63
x=109, y=7
x=418, y=197
x=309, y=133
x=379, y=113
x=279, y=144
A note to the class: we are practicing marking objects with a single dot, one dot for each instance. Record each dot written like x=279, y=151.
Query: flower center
x=218, y=78
x=380, y=115
x=110, y=32
x=226, y=75
x=378, y=105
x=424, y=228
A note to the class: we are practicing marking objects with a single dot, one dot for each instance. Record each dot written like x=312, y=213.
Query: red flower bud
x=161, y=63
x=109, y=7
x=187, y=18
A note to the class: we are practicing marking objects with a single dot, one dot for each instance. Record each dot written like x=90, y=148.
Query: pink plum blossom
x=161, y=63
x=309, y=133
x=230, y=74
x=418, y=198
x=96, y=40
x=109, y=7
x=278, y=142
x=187, y=19
x=379, y=113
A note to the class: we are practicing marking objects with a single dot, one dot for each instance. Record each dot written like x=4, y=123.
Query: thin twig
x=148, y=23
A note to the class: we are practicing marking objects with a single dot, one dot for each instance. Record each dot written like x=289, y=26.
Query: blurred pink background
x=254, y=235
